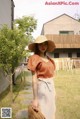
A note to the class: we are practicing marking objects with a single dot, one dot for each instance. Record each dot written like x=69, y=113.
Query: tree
x=26, y=24
x=13, y=43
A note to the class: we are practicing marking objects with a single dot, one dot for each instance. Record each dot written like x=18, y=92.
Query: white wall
x=63, y=55
x=74, y=55
x=62, y=23
x=4, y=83
x=5, y=12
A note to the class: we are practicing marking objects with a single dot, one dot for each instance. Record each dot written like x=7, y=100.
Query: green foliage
x=26, y=24
x=13, y=43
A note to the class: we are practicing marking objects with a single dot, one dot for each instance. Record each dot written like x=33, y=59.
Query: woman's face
x=43, y=47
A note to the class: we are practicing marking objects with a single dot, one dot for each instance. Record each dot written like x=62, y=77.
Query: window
x=78, y=54
x=69, y=54
x=56, y=55
x=66, y=32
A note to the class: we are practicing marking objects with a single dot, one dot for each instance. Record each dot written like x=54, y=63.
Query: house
x=6, y=13
x=65, y=32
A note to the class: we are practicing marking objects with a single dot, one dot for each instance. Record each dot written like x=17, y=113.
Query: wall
x=4, y=83
x=5, y=12
x=65, y=55
x=63, y=23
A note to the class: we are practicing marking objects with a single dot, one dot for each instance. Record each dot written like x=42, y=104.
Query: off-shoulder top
x=43, y=69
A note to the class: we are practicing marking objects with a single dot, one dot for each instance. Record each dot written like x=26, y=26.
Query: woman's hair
x=37, y=50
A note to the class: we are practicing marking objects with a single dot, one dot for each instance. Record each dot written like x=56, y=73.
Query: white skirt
x=46, y=97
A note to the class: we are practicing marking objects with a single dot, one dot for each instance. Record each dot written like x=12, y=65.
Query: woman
x=42, y=68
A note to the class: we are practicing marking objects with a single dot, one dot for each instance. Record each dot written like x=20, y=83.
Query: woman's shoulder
x=34, y=56
x=51, y=59
x=33, y=62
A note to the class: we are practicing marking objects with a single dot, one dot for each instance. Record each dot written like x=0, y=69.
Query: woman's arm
x=35, y=90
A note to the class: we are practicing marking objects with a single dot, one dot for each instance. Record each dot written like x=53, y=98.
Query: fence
x=66, y=63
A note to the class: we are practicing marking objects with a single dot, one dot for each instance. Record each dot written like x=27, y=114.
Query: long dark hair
x=37, y=50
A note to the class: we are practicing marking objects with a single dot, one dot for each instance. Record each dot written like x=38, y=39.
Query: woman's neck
x=42, y=55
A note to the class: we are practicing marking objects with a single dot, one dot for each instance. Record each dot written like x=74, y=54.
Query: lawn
x=18, y=95
x=67, y=84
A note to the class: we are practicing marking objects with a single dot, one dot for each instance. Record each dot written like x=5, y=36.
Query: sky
x=44, y=13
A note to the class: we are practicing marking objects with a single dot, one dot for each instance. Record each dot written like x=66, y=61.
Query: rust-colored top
x=43, y=69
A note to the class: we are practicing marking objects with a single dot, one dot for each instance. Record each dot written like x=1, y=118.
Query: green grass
x=4, y=98
x=67, y=84
x=17, y=95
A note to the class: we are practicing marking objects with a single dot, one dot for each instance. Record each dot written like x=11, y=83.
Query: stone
x=22, y=114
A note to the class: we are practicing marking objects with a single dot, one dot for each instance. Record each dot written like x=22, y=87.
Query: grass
x=4, y=98
x=68, y=94
x=18, y=95
x=67, y=84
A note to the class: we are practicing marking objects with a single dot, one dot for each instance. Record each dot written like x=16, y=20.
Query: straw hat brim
x=51, y=46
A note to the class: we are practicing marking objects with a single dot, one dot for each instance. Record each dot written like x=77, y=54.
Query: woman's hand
x=35, y=104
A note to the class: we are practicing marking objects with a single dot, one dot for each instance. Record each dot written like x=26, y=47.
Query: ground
x=67, y=84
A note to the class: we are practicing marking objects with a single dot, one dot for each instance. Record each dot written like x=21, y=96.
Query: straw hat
x=41, y=39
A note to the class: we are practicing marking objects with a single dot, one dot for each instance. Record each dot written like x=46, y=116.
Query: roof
x=65, y=41
x=42, y=31
x=61, y=16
